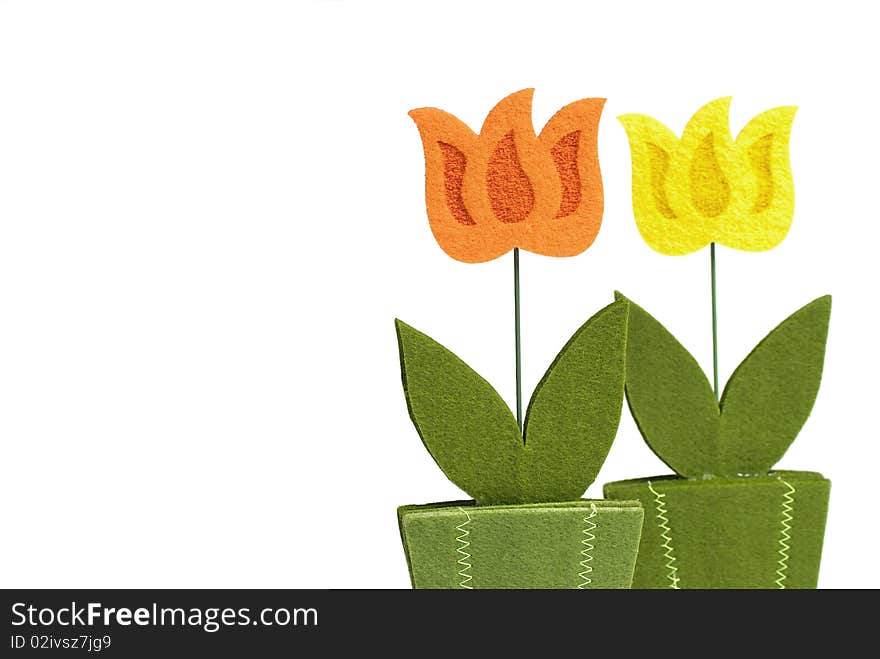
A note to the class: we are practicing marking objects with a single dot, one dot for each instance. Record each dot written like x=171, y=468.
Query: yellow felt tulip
x=706, y=187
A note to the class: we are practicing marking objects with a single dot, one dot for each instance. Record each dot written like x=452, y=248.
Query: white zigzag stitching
x=666, y=534
x=465, y=556
x=784, y=535
x=587, y=542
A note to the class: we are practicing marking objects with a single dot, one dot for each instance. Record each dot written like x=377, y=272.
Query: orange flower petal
x=571, y=138
x=449, y=146
x=511, y=179
x=508, y=187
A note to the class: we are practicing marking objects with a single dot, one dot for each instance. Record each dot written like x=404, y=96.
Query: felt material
x=771, y=393
x=508, y=187
x=463, y=422
x=706, y=187
x=766, y=402
x=570, y=422
x=578, y=544
x=669, y=397
x=741, y=532
x=572, y=418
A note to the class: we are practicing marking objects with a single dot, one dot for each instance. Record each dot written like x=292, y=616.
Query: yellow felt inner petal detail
x=659, y=169
x=710, y=192
x=760, y=155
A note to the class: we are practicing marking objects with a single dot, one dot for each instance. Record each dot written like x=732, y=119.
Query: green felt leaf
x=574, y=412
x=463, y=422
x=670, y=397
x=765, y=404
x=571, y=420
x=770, y=395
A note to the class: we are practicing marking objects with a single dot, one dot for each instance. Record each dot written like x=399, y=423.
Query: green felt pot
x=577, y=544
x=737, y=532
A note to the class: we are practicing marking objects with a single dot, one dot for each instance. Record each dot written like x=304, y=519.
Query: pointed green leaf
x=670, y=397
x=574, y=412
x=770, y=395
x=463, y=422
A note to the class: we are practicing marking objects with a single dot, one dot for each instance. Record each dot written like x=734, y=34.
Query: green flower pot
x=729, y=532
x=577, y=544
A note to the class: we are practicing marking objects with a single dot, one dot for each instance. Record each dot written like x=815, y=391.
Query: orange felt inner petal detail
x=564, y=154
x=510, y=191
x=454, y=162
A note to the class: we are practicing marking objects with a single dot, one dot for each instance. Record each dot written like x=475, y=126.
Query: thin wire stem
x=517, y=337
x=714, y=322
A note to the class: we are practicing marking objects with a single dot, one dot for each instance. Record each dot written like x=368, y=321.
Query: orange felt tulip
x=709, y=188
x=508, y=187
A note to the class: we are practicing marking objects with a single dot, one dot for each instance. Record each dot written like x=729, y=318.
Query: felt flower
x=508, y=187
x=706, y=187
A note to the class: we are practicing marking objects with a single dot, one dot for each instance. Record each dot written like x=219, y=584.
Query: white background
x=210, y=213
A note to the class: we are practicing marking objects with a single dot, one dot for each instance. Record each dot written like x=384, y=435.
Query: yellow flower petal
x=763, y=148
x=705, y=187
